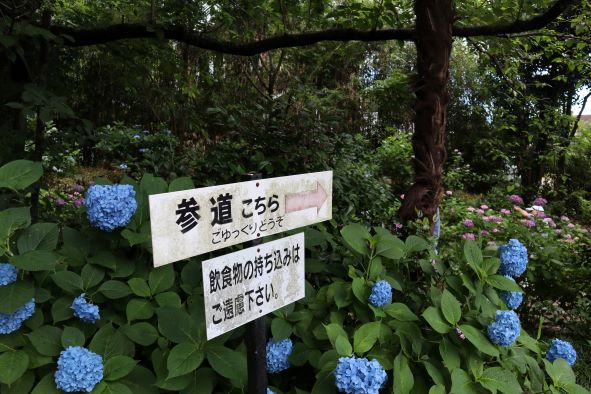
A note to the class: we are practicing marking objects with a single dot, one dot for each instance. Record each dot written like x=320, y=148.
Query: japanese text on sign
x=191, y=222
x=242, y=286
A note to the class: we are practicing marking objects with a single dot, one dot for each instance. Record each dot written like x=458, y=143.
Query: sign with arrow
x=192, y=222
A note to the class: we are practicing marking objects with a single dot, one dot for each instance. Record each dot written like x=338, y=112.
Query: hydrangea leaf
x=434, y=372
x=366, y=336
x=280, y=328
x=39, y=236
x=473, y=256
x=182, y=183
x=60, y=309
x=19, y=174
x=436, y=320
x=139, y=287
x=46, y=340
x=168, y=299
x=437, y=389
x=118, y=367
x=560, y=371
x=415, y=244
x=403, y=377
x=461, y=383
x=177, y=325
x=360, y=290
x=390, y=246
x=477, y=338
x=499, y=379
x=400, y=311
x=13, y=364
x=141, y=380
x=114, y=289
x=343, y=346
x=141, y=333
x=356, y=237
x=15, y=295
x=46, y=386
x=449, y=354
x=109, y=342
x=202, y=382
x=227, y=362
x=91, y=275
x=451, y=308
x=503, y=283
x=71, y=336
x=184, y=358
x=139, y=309
x=12, y=219
x=161, y=279
x=68, y=281
x=35, y=260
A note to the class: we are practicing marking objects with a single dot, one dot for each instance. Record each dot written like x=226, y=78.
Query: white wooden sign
x=192, y=222
x=242, y=286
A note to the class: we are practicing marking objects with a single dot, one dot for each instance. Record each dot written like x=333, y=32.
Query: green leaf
x=451, y=308
x=438, y=389
x=333, y=331
x=114, y=289
x=105, y=387
x=403, y=377
x=477, y=338
x=47, y=385
x=366, y=336
x=343, y=346
x=68, y=281
x=560, y=371
x=91, y=275
x=503, y=283
x=499, y=379
x=573, y=388
x=280, y=329
x=35, y=260
x=356, y=237
x=161, y=279
x=12, y=219
x=141, y=333
x=15, y=295
x=360, y=290
x=20, y=174
x=400, y=311
x=60, y=309
x=415, y=244
x=528, y=341
x=183, y=358
x=135, y=238
x=46, y=340
x=139, y=309
x=109, y=342
x=228, y=363
x=390, y=247
x=461, y=383
x=168, y=298
x=436, y=320
x=139, y=287
x=40, y=236
x=434, y=372
x=178, y=326
x=473, y=255
x=449, y=354
x=71, y=336
x=182, y=183
x=13, y=364
x=118, y=367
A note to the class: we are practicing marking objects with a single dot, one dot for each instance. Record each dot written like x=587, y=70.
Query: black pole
x=256, y=338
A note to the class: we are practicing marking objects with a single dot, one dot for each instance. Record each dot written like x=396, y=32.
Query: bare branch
x=101, y=35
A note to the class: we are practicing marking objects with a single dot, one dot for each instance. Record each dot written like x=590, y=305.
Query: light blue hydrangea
x=381, y=294
x=78, y=369
x=359, y=375
x=505, y=329
x=277, y=354
x=269, y=391
x=85, y=311
x=512, y=298
x=8, y=273
x=12, y=322
x=561, y=349
x=110, y=206
x=513, y=258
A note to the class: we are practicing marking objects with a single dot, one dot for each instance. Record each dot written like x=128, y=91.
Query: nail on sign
x=242, y=286
x=192, y=222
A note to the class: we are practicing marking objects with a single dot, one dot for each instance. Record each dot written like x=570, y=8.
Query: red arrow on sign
x=304, y=200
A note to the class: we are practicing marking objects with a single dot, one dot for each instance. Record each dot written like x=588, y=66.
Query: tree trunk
x=434, y=20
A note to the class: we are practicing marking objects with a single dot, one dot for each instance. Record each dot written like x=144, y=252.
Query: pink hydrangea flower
x=468, y=223
x=505, y=211
x=570, y=225
x=484, y=233
x=495, y=230
x=528, y=223
x=540, y=201
x=480, y=211
x=515, y=199
x=550, y=222
x=60, y=202
x=79, y=202
x=564, y=218
x=484, y=206
x=470, y=209
x=402, y=196
x=469, y=236
x=449, y=193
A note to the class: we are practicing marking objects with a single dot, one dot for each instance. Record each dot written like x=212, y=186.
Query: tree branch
x=123, y=31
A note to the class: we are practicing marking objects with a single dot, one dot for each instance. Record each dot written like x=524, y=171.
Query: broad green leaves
x=15, y=295
x=451, y=308
x=13, y=365
x=20, y=174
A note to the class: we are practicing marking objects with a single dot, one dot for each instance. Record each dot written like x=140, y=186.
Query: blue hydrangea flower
x=78, y=369
x=12, y=322
x=513, y=258
x=561, y=349
x=381, y=293
x=512, y=298
x=505, y=329
x=137, y=136
x=85, y=311
x=8, y=273
x=123, y=166
x=269, y=391
x=359, y=375
x=277, y=354
x=110, y=206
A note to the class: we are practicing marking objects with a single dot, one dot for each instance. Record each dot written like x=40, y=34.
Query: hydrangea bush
x=434, y=336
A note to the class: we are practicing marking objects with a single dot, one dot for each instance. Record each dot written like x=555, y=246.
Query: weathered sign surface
x=191, y=222
x=242, y=286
